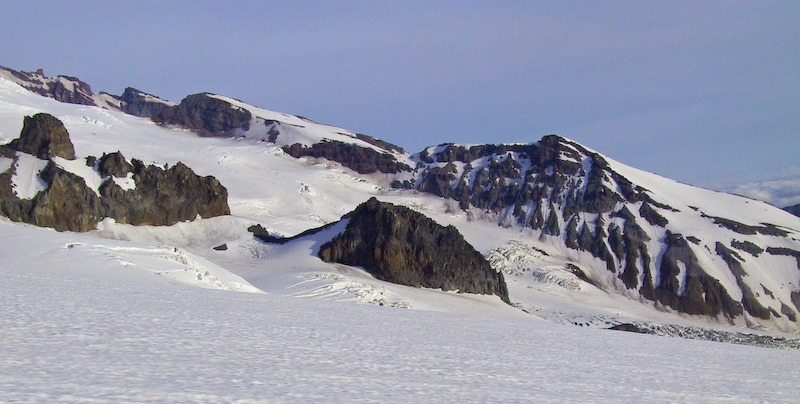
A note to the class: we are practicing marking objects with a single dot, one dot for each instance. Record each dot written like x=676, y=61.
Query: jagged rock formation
x=399, y=245
x=562, y=190
x=163, y=196
x=66, y=89
x=44, y=136
x=152, y=195
x=139, y=103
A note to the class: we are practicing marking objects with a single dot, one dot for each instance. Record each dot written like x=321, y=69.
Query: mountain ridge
x=632, y=233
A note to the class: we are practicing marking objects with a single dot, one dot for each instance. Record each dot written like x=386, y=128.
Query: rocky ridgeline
x=65, y=89
x=554, y=187
x=210, y=116
x=207, y=116
x=561, y=189
x=160, y=196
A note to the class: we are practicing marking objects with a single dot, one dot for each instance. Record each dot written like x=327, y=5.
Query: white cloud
x=779, y=192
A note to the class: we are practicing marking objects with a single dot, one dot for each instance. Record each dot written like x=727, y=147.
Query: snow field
x=82, y=336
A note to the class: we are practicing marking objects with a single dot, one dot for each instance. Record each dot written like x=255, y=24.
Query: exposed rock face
x=206, y=115
x=61, y=88
x=74, y=91
x=164, y=196
x=160, y=196
x=564, y=191
x=555, y=188
x=114, y=164
x=138, y=103
x=398, y=245
x=357, y=158
x=44, y=136
x=63, y=206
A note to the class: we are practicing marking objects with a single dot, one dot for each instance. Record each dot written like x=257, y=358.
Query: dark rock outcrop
x=207, y=116
x=379, y=143
x=651, y=215
x=139, y=103
x=114, y=164
x=360, y=159
x=164, y=196
x=44, y=136
x=628, y=327
x=399, y=245
x=65, y=89
x=741, y=228
x=161, y=196
x=66, y=204
x=785, y=251
x=747, y=247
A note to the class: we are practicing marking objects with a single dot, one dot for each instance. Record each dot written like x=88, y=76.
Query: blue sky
x=703, y=92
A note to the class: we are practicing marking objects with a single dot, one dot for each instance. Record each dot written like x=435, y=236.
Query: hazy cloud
x=781, y=192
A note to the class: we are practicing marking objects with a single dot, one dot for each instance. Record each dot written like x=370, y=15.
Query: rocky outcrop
x=164, y=196
x=360, y=159
x=65, y=89
x=139, y=103
x=44, y=136
x=156, y=196
x=396, y=244
x=573, y=196
x=113, y=164
x=66, y=204
x=207, y=116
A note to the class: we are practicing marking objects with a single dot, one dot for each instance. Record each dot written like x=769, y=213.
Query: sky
x=704, y=92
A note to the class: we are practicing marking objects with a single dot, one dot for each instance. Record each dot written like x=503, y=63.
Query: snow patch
x=5, y=164
x=78, y=167
x=26, y=181
x=127, y=183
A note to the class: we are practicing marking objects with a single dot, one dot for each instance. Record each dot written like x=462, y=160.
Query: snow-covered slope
x=288, y=195
x=86, y=320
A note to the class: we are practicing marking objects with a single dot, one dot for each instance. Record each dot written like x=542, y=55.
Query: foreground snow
x=102, y=334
